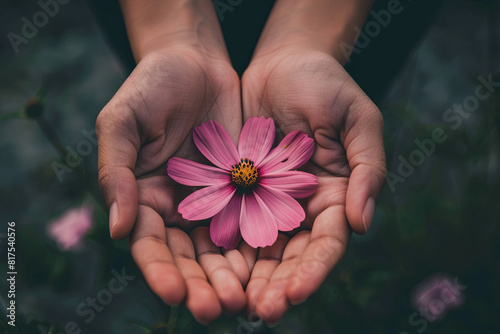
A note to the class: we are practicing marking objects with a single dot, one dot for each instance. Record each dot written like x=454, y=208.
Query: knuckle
x=378, y=118
x=105, y=177
x=99, y=123
x=104, y=120
x=117, y=118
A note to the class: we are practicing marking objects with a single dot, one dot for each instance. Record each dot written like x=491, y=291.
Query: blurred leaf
x=10, y=115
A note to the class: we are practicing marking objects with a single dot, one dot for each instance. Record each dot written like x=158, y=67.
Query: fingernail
x=113, y=216
x=368, y=213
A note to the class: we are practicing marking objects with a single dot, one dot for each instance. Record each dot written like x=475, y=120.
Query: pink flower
x=69, y=229
x=437, y=295
x=251, y=189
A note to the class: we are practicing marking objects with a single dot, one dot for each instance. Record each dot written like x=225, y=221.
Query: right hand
x=148, y=121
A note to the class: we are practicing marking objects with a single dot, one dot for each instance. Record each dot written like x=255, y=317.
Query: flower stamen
x=244, y=174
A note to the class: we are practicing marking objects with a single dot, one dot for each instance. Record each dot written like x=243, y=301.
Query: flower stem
x=54, y=140
x=51, y=136
x=172, y=319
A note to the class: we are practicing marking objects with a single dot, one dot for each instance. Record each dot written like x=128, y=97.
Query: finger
x=273, y=302
x=268, y=260
x=118, y=144
x=329, y=238
x=238, y=264
x=201, y=298
x=219, y=271
x=363, y=141
x=242, y=260
x=150, y=252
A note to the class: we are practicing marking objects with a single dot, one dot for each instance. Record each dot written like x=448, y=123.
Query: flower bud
x=33, y=108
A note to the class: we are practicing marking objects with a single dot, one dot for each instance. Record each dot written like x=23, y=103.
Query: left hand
x=311, y=92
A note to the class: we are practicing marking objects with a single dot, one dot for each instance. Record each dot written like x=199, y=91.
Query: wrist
x=154, y=27
x=312, y=25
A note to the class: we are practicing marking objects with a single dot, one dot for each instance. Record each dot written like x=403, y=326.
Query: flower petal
x=192, y=173
x=216, y=145
x=293, y=151
x=295, y=183
x=287, y=211
x=225, y=226
x=257, y=224
x=70, y=228
x=256, y=139
x=206, y=202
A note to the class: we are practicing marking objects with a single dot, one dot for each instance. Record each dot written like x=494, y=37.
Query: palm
x=159, y=105
x=312, y=93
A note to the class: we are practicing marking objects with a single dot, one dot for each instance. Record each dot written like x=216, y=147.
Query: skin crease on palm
x=151, y=118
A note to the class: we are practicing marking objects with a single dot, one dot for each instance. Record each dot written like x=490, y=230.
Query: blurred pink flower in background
x=69, y=229
x=437, y=295
x=251, y=191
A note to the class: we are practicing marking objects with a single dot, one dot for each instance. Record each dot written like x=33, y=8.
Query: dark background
x=442, y=220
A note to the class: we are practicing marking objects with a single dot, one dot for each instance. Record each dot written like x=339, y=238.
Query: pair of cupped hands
x=151, y=119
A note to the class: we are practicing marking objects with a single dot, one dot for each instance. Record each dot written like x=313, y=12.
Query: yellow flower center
x=245, y=173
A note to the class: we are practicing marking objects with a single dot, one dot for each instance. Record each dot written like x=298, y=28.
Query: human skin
x=296, y=76
x=183, y=78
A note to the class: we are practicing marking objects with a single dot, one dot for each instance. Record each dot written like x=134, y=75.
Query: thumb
x=363, y=140
x=118, y=144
